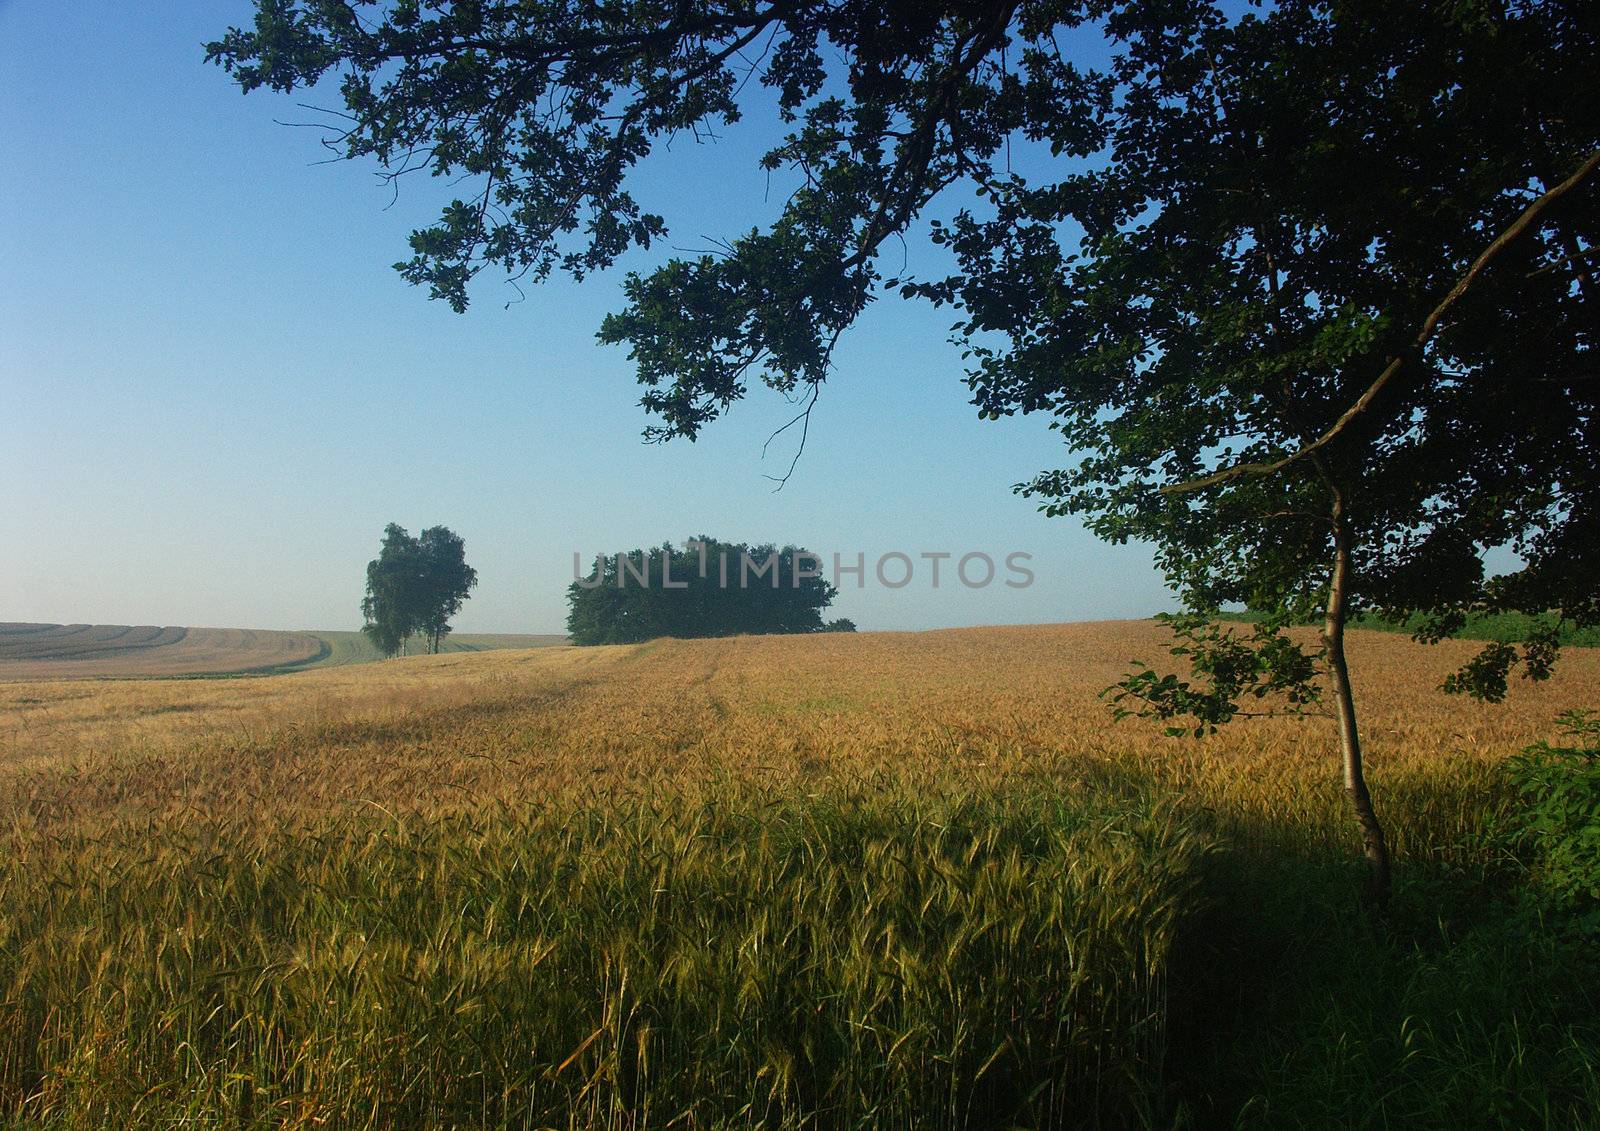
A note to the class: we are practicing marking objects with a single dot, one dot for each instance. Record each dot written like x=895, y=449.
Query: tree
x=447, y=581
x=1309, y=291
x=415, y=585
x=707, y=588
x=1332, y=333
x=390, y=608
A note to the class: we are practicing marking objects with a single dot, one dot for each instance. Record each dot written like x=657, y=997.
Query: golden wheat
x=493, y=728
x=848, y=881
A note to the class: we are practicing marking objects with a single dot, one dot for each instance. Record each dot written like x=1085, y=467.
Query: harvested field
x=100, y=651
x=117, y=651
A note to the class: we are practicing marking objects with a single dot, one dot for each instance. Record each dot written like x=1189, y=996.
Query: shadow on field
x=1293, y=1005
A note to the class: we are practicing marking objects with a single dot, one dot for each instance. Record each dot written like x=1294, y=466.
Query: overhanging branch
x=1518, y=226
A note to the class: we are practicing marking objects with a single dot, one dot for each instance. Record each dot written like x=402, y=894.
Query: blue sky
x=215, y=391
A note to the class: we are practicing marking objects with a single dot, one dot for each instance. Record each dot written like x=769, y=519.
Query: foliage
x=447, y=580
x=707, y=588
x=1484, y=676
x=839, y=624
x=1506, y=627
x=415, y=585
x=1280, y=211
x=390, y=607
x=1556, y=821
x=1265, y=664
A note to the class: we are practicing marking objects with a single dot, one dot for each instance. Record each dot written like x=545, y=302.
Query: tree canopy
x=1249, y=219
x=414, y=586
x=706, y=588
x=1307, y=289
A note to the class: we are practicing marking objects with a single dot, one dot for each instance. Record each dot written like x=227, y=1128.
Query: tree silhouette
x=415, y=585
x=447, y=581
x=707, y=588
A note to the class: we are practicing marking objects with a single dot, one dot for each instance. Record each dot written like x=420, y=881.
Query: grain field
x=875, y=880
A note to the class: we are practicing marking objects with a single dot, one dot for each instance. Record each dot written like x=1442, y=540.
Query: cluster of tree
x=414, y=587
x=1308, y=289
x=706, y=588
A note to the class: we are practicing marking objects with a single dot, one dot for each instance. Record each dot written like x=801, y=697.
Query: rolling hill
x=118, y=651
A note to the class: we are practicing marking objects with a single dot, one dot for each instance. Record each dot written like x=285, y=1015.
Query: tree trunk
x=1374, y=846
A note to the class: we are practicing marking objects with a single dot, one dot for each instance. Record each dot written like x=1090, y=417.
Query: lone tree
x=447, y=581
x=388, y=608
x=707, y=588
x=1309, y=292
x=415, y=585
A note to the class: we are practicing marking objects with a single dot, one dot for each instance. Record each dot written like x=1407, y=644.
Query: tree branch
x=804, y=420
x=1520, y=225
x=918, y=149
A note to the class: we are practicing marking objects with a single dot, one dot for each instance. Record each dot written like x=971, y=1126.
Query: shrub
x=1556, y=827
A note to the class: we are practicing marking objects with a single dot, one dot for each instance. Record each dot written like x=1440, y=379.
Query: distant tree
x=707, y=588
x=1309, y=289
x=843, y=624
x=391, y=609
x=415, y=585
x=447, y=581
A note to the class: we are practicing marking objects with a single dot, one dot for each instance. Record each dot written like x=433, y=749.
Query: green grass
x=1509, y=628
x=1458, y=1009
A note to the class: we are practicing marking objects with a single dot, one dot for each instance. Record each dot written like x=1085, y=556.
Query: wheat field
x=875, y=880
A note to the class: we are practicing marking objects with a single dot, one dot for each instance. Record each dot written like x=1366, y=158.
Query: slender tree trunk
x=1374, y=846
